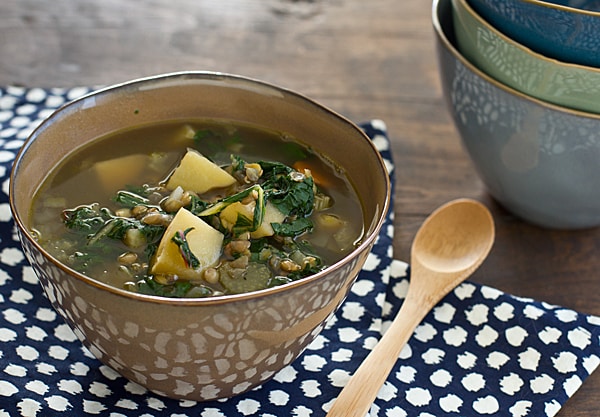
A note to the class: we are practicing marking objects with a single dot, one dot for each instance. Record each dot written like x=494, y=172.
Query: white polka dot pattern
x=479, y=352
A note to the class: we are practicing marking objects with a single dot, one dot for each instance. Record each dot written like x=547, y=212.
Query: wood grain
x=365, y=59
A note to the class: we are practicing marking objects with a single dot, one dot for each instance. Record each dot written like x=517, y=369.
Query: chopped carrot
x=320, y=178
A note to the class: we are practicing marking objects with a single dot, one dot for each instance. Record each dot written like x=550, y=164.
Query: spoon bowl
x=450, y=245
x=454, y=238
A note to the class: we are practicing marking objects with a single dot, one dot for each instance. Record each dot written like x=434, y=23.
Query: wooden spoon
x=452, y=242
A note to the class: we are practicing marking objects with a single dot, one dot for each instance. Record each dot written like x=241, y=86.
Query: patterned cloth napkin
x=480, y=352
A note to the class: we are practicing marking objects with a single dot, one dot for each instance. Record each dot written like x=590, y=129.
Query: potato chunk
x=229, y=217
x=197, y=173
x=204, y=241
x=272, y=215
x=184, y=134
x=113, y=173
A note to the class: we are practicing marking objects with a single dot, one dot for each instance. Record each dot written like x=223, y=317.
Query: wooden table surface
x=364, y=59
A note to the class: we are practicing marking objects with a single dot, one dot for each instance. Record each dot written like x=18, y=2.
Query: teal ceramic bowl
x=565, y=84
x=568, y=30
x=540, y=161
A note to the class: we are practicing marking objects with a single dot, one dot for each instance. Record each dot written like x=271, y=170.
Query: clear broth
x=76, y=180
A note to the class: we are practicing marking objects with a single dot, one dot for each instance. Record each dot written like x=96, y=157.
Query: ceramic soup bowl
x=198, y=348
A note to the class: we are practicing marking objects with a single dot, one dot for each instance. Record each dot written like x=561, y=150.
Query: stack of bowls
x=521, y=79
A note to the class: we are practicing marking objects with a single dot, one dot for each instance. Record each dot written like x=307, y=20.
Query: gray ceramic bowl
x=568, y=30
x=198, y=349
x=540, y=161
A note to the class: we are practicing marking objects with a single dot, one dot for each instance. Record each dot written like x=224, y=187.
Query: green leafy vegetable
x=191, y=261
x=86, y=218
x=278, y=280
x=197, y=205
x=130, y=199
x=178, y=289
x=98, y=223
x=212, y=143
x=290, y=191
x=244, y=225
x=293, y=228
x=237, y=163
x=308, y=270
x=294, y=151
x=271, y=260
x=202, y=134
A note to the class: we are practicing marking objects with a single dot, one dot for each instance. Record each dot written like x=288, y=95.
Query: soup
x=197, y=209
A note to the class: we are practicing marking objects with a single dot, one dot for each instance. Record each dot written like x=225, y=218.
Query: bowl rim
x=442, y=37
x=560, y=7
x=464, y=4
x=375, y=225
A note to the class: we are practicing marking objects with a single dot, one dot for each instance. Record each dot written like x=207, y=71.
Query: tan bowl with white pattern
x=198, y=349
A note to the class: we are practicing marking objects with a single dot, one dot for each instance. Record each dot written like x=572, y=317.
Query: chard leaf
x=297, y=200
x=191, y=261
x=243, y=224
x=116, y=227
x=291, y=192
x=211, y=142
x=85, y=218
x=293, y=228
x=259, y=209
x=278, y=280
x=202, y=134
x=178, y=289
x=309, y=270
x=237, y=163
x=220, y=205
x=197, y=205
x=130, y=199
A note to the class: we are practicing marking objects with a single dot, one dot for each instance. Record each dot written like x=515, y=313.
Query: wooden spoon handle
x=356, y=397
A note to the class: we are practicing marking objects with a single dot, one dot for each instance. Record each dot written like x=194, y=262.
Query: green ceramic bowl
x=569, y=85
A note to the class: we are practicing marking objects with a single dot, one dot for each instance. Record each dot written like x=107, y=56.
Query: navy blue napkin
x=480, y=352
